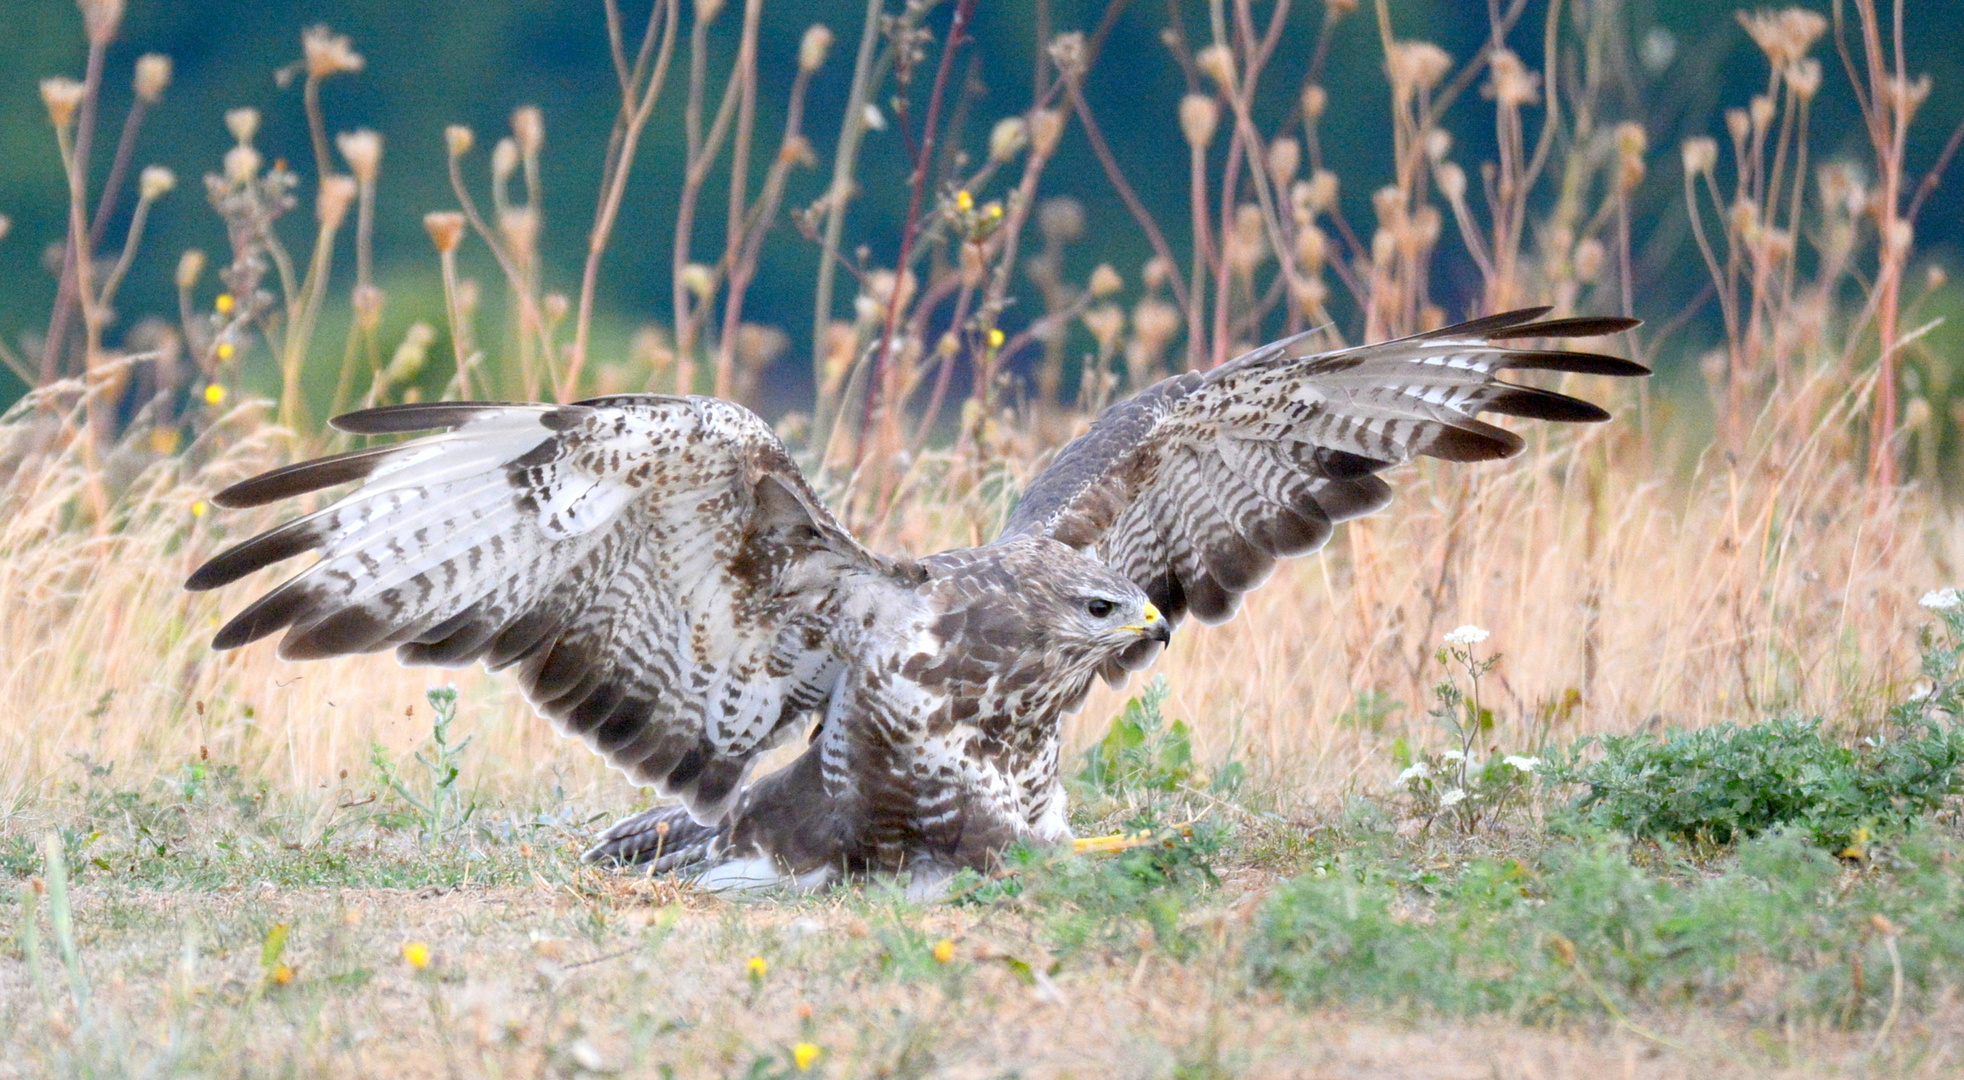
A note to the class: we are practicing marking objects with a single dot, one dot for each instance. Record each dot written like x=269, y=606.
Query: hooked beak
x=1154, y=626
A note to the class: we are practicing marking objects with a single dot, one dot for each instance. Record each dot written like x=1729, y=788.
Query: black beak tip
x=1162, y=631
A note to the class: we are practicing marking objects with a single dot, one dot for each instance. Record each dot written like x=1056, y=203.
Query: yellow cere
x=214, y=394
x=944, y=951
x=224, y=303
x=417, y=954
x=803, y=1055
x=758, y=968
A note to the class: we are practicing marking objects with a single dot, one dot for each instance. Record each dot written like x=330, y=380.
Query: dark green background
x=432, y=64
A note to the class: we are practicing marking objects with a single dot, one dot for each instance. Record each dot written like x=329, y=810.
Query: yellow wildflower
x=803, y=1055
x=198, y=509
x=758, y=968
x=995, y=337
x=417, y=954
x=214, y=394
x=964, y=201
x=224, y=303
x=281, y=975
x=225, y=350
x=944, y=950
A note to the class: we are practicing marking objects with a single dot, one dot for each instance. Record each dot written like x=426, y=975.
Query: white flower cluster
x=1418, y=770
x=1943, y=600
x=1466, y=635
x=1525, y=764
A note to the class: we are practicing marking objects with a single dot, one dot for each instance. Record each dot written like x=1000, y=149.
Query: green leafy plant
x=440, y=807
x=1142, y=752
x=1726, y=783
x=1458, y=785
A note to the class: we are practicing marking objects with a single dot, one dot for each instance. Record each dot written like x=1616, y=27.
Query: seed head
x=446, y=229
x=328, y=53
x=1061, y=219
x=6, y=225
x=154, y=183
x=528, y=126
x=1510, y=83
x=555, y=306
x=1322, y=191
x=1784, y=36
x=699, y=280
x=1156, y=273
x=1008, y=138
x=1284, y=158
x=707, y=10
x=367, y=303
x=1739, y=124
x=504, y=160
x=1700, y=155
x=100, y=19
x=404, y=363
x=152, y=76
x=457, y=140
x=1217, y=63
x=1067, y=52
x=1315, y=101
x=519, y=225
x=243, y=123
x=1105, y=280
x=1106, y=322
x=1452, y=181
x=1761, y=112
x=242, y=164
x=1154, y=322
x=190, y=267
x=331, y=205
x=62, y=96
x=814, y=46
x=1199, y=116
x=1804, y=78
x=1312, y=248
x=362, y=150
x=1438, y=143
x=1416, y=66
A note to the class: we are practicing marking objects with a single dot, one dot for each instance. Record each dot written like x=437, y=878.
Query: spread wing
x=1194, y=487
x=663, y=578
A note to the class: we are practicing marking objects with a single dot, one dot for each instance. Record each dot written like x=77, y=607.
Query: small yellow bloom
x=417, y=954
x=214, y=394
x=224, y=303
x=281, y=975
x=225, y=350
x=758, y=968
x=992, y=211
x=964, y=201
x=995, y=337
x=199, y=509
x=803, y=1055
x=944, y=950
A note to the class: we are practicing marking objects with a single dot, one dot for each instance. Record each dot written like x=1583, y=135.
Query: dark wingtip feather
x=1576, y=362
x=422, y=416
x=1583, y=326
x=1535, y=404
x=235, y=562
x=298, y=479
x=1489, y=326
x=274, y=611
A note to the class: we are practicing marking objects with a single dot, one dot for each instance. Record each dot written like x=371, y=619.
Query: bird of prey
x=670, y=589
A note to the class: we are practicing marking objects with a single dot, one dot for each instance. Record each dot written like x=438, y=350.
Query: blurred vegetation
x=433, y=65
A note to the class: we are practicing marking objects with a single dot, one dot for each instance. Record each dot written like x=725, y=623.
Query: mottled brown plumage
x=670, y=589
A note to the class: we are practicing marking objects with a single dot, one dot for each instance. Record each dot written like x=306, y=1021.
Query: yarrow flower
x=1525, y=764
x=1466, y=635
x=1452, y=797
x=1418, y=770
x=1943, y=600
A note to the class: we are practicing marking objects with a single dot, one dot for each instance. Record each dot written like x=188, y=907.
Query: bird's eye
x=1099, y=609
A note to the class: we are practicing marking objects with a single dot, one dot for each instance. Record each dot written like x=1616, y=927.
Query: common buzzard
x=671, y=589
